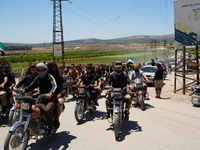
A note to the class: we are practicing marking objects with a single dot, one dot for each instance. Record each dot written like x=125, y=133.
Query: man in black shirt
x=158, y=80
x=26, y=81
x=10, y=84
x=47, y=85
x=119, y=79
x=3, y=82
x=87, y=79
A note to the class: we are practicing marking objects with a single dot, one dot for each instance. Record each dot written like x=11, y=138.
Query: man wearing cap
x=119, y=79
x=47, y=85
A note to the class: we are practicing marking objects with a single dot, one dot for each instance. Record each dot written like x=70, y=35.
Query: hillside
x=126, y=40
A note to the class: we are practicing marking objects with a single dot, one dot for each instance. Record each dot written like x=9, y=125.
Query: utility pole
x=58, y=41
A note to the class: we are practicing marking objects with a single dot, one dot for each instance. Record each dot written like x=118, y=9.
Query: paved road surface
x=165, y=125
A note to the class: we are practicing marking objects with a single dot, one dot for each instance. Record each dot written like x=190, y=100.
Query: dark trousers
x=49, y=112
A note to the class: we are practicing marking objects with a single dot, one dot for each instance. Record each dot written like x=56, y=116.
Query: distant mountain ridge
x=126, y=40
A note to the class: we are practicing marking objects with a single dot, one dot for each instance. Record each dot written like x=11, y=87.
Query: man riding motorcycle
x=87, y=79
x=137, y=73
x=73, y=73
x=3, y=99
x=28, y=79
x=119, y=79
x=9, y=85
x=47, y=85
x=60, y=91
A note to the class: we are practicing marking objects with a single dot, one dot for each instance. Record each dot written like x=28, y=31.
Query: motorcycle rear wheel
x=79, y=111
x=14, y=139
x=116, y=125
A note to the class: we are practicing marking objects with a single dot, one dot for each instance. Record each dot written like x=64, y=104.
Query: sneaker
x=137, y=104
x=94, y=107
x=146, y=98
x=96, y=103
x=56, y=124
x=107, y=116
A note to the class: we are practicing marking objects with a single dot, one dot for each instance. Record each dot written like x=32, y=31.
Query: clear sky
x=31, y=21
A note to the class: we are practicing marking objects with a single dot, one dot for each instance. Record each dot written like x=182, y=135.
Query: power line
x=132, y=9
x=111, y=19
x=118, y=29
x=99, y=18
x=97, y=25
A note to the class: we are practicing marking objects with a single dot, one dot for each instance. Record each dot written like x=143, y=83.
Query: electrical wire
x=103, y=22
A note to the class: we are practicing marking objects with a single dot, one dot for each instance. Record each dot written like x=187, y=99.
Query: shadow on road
x=95, y=115
x=147, y=106
x=70, y=99
x=58, y=141
x=128, y=128
x=3, y=122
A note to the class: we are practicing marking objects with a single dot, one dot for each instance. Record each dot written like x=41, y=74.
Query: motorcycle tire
x=79, y=112
x=13, y=138
x=116, y=125
x=142, y=105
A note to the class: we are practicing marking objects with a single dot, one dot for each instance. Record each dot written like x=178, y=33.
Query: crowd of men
x=48, y=78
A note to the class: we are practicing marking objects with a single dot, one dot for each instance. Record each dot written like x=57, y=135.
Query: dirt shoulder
x=168, y=90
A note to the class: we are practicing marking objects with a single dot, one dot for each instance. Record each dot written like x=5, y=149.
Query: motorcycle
x=138, y=93
x=14, y=114
x=195, y=95
x=71, y=86
x=84, y=102
x=31, y=124
x=117, y=109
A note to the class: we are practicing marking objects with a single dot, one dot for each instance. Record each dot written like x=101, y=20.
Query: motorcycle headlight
x=25, y=106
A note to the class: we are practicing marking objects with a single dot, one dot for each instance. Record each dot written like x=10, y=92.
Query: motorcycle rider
x=87, y=79
x=24, y=82
x=73, y=72
x=47, y=85
x=99, y=84
x=137, y=73
x=3, y=82
x=119, y=79
x=60, y=91
x=9, y=85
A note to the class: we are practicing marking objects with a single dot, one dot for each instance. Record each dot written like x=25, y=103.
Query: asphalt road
x=164, y=125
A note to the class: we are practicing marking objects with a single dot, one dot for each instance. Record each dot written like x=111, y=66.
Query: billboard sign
x=187, y=21
x=57, y=49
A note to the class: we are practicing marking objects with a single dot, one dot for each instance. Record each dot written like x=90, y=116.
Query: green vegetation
x=70, y=54
x=104, y=58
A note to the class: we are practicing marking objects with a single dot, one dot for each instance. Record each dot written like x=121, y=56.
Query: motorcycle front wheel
x=116, y=125
x=79, y=111
x=141, y=99
x=16, y=139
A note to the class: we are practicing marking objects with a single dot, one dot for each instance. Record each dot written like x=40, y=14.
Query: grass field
x=139, y=57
